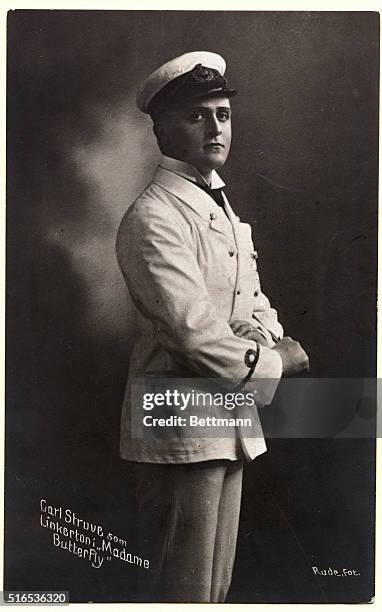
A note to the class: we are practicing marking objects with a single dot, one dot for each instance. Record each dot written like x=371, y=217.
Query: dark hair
x=157, y=119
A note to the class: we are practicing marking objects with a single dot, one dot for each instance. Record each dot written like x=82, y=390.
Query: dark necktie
x=216, y=194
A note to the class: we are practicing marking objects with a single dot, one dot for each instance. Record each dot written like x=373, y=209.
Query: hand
x=243, y=329
x=295, y=360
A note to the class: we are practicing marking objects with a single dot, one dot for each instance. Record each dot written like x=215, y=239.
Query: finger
x=236, y=324
x=256, y=337
x=245, y=328
x=240, y=326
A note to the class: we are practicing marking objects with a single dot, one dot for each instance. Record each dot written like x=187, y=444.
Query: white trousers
x=188, y=522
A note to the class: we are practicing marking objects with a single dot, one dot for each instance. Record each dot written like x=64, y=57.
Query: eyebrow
x=198, y=108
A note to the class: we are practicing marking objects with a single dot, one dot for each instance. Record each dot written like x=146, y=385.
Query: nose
x=214, y=127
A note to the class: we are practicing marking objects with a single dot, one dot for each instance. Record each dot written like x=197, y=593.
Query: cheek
x=187, y=140
x=228, y=135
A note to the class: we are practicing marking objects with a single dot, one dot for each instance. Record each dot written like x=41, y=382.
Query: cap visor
x=214, y=93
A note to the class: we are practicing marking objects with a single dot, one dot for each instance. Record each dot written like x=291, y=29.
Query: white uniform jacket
x=191, y=270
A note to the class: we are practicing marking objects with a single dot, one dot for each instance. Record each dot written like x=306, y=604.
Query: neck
x=201, y=176
x=207, y=175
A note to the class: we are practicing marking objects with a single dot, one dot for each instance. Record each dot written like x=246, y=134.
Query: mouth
x=214, y=145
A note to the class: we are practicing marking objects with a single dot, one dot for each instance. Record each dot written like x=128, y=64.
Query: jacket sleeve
x=164, y=279
x=267, y=322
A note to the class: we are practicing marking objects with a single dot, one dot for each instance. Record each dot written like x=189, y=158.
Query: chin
x=215, y=160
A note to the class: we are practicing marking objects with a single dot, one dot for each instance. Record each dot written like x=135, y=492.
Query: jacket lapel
x=195, y=198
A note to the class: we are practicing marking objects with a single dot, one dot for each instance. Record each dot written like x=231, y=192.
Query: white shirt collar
x=190, y=173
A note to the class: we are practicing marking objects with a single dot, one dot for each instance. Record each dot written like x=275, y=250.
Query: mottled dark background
x=302, y=171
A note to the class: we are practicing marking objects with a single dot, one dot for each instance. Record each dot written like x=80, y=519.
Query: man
x=190, y=266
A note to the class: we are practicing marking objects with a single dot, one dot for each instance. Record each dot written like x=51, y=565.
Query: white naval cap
x=163, y=86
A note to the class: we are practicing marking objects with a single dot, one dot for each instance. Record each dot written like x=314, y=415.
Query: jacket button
x=238, y=292
x=255, y=255
x=256, y=293
x=213, y=216
x=231, y=253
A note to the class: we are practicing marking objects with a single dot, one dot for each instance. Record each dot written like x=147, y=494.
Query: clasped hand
x=294, y=359
x=243, y=329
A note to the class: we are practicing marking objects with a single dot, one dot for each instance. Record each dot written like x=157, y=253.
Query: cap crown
x=175, y=68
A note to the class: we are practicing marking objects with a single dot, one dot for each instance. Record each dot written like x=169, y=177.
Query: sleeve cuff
x=266, y=376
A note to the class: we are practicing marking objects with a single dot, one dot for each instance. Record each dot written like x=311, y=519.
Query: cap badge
x=202, y=73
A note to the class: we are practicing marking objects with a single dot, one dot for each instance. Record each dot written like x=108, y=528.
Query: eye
x=223, y=115
x=196, y=116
